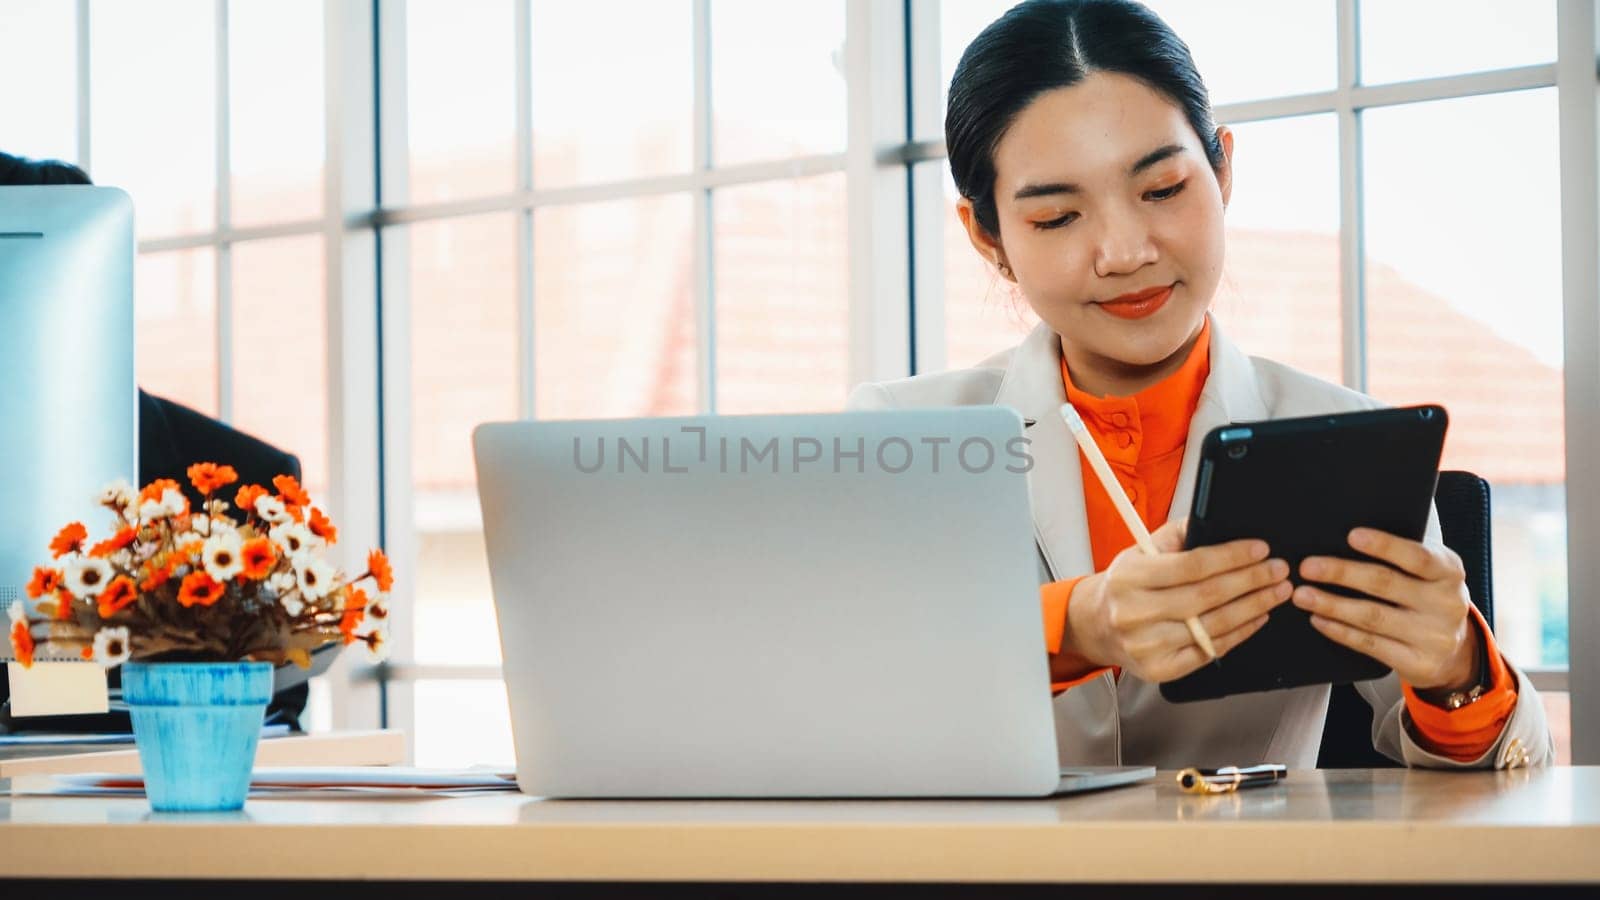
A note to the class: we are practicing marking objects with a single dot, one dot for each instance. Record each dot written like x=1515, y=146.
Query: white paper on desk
x=344, y=779
x=57, y=688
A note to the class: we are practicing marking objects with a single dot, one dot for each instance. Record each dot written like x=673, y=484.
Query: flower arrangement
x=175, y=584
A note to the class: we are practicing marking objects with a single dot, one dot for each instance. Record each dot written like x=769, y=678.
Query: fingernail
x=1259, y=550
x=1260, y=621
x=1359, y=538
x=1284, y=589
x=1278, y=569
x=1311, y=568
x=1305, y=597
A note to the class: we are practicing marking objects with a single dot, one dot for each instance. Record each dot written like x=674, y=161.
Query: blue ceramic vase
x=196, y=726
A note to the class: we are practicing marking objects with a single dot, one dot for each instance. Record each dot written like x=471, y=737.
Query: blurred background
x=365, y=226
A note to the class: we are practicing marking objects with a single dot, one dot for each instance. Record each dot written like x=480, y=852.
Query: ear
x=1225, y=173
x=987, y=246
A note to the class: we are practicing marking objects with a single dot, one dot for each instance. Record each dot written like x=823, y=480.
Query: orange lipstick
x=1138, y=305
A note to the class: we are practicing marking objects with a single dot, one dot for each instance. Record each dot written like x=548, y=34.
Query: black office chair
x=1462, y=500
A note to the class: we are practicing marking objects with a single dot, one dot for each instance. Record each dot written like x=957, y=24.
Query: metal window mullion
x=527, y=346
x=1578, y=43
x=1352, y=204
x=224, y=197
x=925, y=185
x=81, y=39
x=704, y=264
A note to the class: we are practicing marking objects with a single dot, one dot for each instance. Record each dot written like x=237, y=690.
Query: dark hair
x=1041, y=45
x=17, y=170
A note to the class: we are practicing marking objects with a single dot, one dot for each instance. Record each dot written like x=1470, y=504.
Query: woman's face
x=1110, y=220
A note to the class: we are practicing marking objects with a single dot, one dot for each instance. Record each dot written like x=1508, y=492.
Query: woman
x=1093, y=178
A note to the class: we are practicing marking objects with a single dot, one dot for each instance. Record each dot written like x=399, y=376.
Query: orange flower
x=355, y=607
x=192, y=549
x=208, y=477
x=69, y=540
x=247, y=496
x=380, y=570
x=159, y=575
x=199, y=589
x=114, y=543
x=291, y=492
x=117, y=596
x=22, y=642
x=45, y=581
x=63, y=604
x=259, y=557
x=155, y=489
x=322, y=527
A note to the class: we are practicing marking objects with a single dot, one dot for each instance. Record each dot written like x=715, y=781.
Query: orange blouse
x=1143, y=438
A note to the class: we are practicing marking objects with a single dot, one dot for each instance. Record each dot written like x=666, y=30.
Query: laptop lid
x=805, y=605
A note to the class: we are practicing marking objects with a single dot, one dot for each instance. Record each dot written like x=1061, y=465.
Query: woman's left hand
x=1426, y=635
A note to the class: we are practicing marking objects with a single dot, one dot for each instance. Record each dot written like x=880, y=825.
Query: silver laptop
x=838, y=605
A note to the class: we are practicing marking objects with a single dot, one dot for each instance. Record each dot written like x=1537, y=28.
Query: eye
x=1166, y=193
x=1057, y=222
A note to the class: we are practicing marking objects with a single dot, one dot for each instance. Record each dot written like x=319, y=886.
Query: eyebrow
x=1066, y=187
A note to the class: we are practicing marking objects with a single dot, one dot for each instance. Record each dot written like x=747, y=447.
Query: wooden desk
x=331, y=748
x=1352, y=827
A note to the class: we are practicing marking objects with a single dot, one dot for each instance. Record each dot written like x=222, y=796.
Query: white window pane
x=462, y=723
x=1402, y=40
x=461, y=96
x=1244, y=51
x=1464, y=309
x=614, y=323
x=39, y=49
x=175, y=326
x=782, y=307
x=1279, y=294
x=777, y=80
x=277, y=108
x=280, y=368
x=154, y=126
x=463, y=372
x=631, y=118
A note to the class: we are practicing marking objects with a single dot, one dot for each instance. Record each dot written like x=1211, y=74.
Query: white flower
x=86, y=576
x=292, y=604
x=151, y=510
x=377, y=609
x=173, y=502
x=313, y=576
x=223, y=555
x=118, y=495
x=294, y=539
x=271, y=510
x=284, y=582
x=18, y=612
x=112, y=646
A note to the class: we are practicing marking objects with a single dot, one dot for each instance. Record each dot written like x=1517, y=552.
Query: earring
x=1004, y=269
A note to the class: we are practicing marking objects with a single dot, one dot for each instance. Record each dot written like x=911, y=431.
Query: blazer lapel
x=1230, y=395
x=1032, y=386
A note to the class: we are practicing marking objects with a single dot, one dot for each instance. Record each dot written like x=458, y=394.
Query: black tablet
x=1301, y=485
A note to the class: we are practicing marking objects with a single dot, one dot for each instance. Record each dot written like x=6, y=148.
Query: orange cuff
x=1467, y=733
x=1066, y=670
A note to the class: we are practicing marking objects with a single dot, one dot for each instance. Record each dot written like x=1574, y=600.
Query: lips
x=1138, y=305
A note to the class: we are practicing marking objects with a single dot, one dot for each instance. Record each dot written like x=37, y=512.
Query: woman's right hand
x=1132, y=614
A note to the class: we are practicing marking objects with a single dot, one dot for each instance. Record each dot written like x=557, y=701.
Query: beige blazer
x=1106, y=722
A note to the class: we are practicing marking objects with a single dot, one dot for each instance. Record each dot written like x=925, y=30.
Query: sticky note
x=57, y=688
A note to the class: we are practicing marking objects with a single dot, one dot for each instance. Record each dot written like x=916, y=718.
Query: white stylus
x=1130, y=516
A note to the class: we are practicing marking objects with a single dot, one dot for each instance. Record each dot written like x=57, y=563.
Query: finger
x=1365, y=615
x=1376, y=579
x=1408, y=556
x=1169, y=538
x=1191, y=657
x=1386, y=650
x=1219, y=590
x=1246, y=609
x=1191, y=566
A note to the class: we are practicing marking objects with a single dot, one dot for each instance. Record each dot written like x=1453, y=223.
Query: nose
x=1124, y=244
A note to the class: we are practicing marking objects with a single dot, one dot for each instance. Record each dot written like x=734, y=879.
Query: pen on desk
x=1230, y=778
x=1130, y=516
